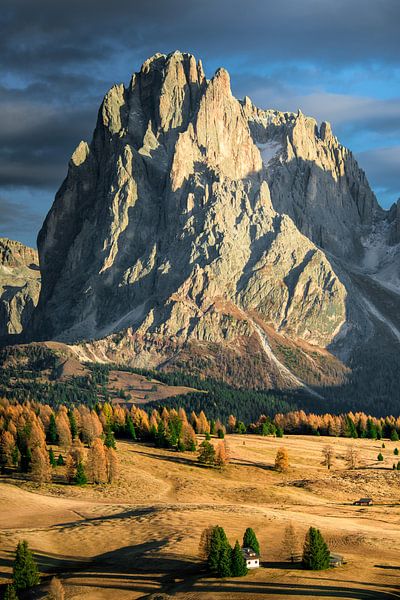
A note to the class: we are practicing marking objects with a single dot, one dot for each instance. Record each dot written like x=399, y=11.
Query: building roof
x=249, y=553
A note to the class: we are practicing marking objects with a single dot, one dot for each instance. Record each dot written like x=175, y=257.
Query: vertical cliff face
x=193, y=218
x=315, y=180
x=19, y=286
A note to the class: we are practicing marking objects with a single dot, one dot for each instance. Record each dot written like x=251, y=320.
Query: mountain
x=19, y=285
x=197, y=231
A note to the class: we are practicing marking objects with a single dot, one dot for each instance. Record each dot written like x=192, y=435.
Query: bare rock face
x=167, y=216
x=19, y=286
x=314, y=179
x=193, y=220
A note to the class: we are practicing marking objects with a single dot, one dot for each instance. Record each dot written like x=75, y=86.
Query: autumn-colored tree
x=40, y=465
x=91, y=426
x=352, y=457
x=56, y=590
x=97, y=465
x=36, y=435
x=112, y=465
x=70, y=468
x=203, y=426
x=205, y=541
x=188, y=437
x=7, y=446
x=78, y=451
x=231, y=423
x=63, y=428
x=221, y=454
x=282, y=460
x=328, y=456
x=291, y=545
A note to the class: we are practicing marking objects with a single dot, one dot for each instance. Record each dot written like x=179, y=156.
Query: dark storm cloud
x=17, y=217
x=57, y=59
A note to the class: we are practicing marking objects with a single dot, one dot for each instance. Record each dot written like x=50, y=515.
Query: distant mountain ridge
x=197, y=231
x=19, y=285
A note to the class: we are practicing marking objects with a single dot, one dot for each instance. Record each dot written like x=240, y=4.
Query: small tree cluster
x=213, y=456
x=222, y=559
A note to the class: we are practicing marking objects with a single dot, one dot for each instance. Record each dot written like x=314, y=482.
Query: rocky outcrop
x=19, y=286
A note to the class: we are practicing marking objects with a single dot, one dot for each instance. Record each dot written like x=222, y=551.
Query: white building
x=252, y=558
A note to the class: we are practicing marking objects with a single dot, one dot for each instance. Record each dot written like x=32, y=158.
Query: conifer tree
x=60, y=460
x=282, y=460
x=219, y=557
x=250, y=540
x=40, y=466
x=315, y=552
x=109, y=440
x=290, y=542
x=52, y=435
x=52, y=458
x=207, y=453
x=56, y=590
x=80, y=475
x=394, y=436
x=25, y=571
x=10, y=593
x=130, y=428
x=238, y=562
x=205, y=543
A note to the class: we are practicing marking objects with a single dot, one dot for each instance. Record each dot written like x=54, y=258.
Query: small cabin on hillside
x=363, y=502
x=336, y=560
x=252, y=558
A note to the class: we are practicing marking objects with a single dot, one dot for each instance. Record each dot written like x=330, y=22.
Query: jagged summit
x=193, y=220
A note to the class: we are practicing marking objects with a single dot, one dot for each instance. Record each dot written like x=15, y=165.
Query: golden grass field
x=138, y=538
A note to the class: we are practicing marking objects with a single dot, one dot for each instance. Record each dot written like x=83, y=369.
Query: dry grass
x=140, y=537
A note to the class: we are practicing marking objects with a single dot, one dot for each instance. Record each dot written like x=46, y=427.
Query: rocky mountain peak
x=197, y=221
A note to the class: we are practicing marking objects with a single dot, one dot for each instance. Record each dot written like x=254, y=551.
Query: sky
x=336, y=60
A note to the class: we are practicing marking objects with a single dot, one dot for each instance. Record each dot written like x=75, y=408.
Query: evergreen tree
x=396, y=451
x=72, y=424
x=80, y=476
x=279, y=432
x=109, y=440
x=394, y=436
x=380, y=457
x=371, y=430
x=52, y=458
x=60, y=460
x=250, y=540
x=315, y=552
x=25, y=571
x=10, y=593
x=398, y=466
x=207, y=453
x=26, y=459
x=219, y=556
x=130, y=428
x=52, y=435
x=238, y=562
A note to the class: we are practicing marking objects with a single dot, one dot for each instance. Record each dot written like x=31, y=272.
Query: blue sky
x=337, y=61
